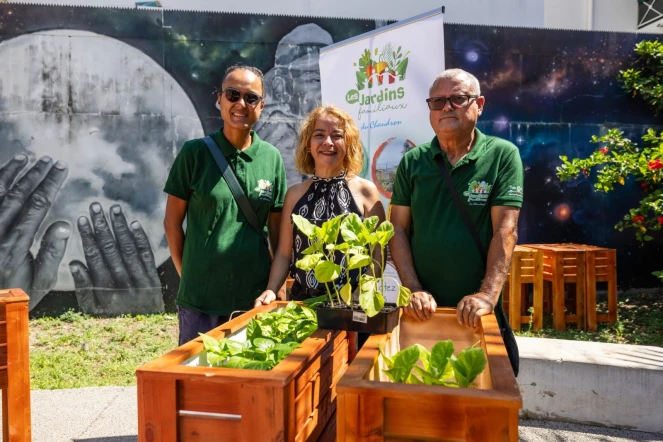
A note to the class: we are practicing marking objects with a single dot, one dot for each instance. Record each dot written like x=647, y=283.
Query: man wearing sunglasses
x=222, y=259
x=434, y=249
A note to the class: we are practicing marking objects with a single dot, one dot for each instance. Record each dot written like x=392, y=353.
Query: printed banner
x=382, y=79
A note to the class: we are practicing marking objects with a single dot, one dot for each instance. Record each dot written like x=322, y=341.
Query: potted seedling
x=358, y=240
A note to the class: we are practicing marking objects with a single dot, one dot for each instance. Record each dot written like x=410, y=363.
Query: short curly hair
x=354, y=156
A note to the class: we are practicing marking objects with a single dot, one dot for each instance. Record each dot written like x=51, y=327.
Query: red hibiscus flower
x=655, y=165
x=660, y=220
x=604, y=150
x=643, y=185
x=638, y=219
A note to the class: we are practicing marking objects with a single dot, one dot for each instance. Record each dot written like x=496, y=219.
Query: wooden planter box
x=372, y=408
x=15, y=366
x=295, y=401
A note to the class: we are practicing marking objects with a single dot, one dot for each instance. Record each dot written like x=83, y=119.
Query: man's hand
x=422, y=306
x=471, y=308
x=121, y=275
x=23, y=207
x=266, y=297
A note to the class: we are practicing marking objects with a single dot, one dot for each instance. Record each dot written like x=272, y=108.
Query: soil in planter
x=342, y=317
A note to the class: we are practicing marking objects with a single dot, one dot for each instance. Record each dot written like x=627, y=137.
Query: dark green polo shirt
x=446, y=258
x=225, y=264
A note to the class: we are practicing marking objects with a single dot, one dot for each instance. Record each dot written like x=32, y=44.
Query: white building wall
x=566, y=14
x=603, y=15
x=615, y=15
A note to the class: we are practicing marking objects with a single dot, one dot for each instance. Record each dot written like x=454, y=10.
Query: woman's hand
x=266, y=297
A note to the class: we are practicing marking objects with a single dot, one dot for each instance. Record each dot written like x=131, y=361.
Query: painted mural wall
x=95, y=104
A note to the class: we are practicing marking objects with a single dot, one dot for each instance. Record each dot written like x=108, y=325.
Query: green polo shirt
x=225, y=264
x=445, y=256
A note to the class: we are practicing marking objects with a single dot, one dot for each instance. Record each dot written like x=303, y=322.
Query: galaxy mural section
x=95, y=103
x=548, y=92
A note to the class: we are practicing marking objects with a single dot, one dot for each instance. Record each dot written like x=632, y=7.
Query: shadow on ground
x=109, y=439
x=537, y=430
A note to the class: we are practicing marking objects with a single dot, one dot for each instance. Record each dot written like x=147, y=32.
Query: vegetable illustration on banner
x=390, y=65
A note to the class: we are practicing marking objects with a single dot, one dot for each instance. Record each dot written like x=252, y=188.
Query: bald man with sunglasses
x=222, y=259
x=444, y=257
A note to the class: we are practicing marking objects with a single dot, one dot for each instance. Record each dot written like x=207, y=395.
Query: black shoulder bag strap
x=507, y=333
x=233, y=184
x=461, y=208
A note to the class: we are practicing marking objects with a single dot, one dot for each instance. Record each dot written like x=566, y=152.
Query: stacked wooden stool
x=526, y=268
x=14, y=366
x=581, y=266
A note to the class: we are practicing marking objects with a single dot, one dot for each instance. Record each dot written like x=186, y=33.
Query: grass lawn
x=76, y=350
x=639, y=321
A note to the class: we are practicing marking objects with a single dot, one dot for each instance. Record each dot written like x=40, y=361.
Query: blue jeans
x=193, y=322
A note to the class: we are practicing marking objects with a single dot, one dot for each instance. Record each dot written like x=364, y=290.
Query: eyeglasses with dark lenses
x=456, y=101
x=233, y=95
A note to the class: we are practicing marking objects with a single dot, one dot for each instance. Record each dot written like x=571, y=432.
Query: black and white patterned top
x=325, y=199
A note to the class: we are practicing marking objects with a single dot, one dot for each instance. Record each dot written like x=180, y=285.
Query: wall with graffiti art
x=95, y=103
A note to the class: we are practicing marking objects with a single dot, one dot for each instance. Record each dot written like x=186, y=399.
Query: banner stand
x=382, y=78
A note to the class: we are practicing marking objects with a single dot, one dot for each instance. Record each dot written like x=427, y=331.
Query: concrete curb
x=611, y=385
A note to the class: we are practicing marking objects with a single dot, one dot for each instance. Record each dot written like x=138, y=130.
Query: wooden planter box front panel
x=295, y=401
x=372, y=408
x=15, y=366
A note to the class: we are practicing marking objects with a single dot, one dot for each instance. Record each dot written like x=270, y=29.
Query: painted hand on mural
x=23, y=207
x=121, y=275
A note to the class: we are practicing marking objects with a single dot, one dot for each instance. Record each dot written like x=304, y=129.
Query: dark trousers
x=193, y=322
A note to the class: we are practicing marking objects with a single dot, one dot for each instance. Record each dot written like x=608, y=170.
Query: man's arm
x=422, y=304
x=505, y=236
x=172, y=226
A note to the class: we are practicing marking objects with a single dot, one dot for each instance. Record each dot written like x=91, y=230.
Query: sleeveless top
x=325, y=199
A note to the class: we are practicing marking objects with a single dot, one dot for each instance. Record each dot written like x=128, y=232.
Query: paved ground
x=108, y=414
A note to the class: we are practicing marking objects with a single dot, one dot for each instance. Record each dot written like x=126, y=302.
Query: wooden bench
x=15, y=366
x=526, y=268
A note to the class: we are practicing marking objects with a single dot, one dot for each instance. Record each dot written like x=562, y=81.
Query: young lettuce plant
x=440, y=366
x=270, y=337
x=360, y=239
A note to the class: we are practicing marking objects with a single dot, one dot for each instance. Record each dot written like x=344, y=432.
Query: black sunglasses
x=456, y=101
x=233, y=95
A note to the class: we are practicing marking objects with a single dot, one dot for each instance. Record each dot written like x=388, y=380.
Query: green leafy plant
x=440, y=366
x=359, y=241
x=619, y=158
x=270, y=337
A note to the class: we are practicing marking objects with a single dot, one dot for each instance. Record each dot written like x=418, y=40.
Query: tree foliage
x=618, y=158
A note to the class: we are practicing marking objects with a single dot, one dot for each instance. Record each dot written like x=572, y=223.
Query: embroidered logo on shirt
x=516, y=191
x=265, y=190
x=477, y=193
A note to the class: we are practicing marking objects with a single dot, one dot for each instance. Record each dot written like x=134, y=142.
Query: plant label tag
x=391, y=282
x=359, y=317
